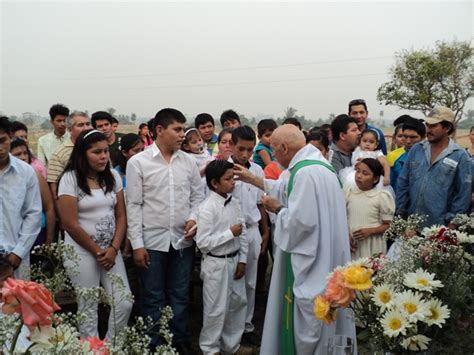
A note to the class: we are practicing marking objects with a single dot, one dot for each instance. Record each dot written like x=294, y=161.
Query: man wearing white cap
x=436, y=178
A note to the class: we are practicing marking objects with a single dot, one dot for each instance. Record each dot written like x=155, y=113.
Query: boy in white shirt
x=255, y=217
x=221, y=238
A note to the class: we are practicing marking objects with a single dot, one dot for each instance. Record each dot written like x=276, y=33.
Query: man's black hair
x=415, y=125
x=101, y=115
x=203, y=118
x=18, y=126
x=167, y=116
x=265, y=125
x=357, y=102
x=5, y=125
x=215, y=170
x=319, y=137
x=229, y=115
x=58, y=110
x=294, y=121
x=340, y=124
x=244, y=133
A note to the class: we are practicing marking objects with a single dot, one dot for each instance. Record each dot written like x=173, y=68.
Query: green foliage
x=422, y=79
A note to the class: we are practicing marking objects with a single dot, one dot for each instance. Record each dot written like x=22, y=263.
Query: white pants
x=255, y=244
x=224, y=304
x=90, y=274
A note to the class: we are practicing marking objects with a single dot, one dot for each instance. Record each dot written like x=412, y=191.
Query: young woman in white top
x=91, y=204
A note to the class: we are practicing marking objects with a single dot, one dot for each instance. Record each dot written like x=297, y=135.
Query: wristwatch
x=278, y=209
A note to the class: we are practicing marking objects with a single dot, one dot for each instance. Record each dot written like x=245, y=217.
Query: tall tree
x=422, y=79
x=290, y=112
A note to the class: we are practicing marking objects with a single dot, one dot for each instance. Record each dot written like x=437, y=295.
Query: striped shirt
x=47, y=144
x=59, y=160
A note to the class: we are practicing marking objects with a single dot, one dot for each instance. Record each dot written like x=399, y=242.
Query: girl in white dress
x=369, y=210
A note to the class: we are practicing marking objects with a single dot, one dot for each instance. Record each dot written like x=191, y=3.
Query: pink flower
x=95, y=345
x=30, y=299
x=337, y=292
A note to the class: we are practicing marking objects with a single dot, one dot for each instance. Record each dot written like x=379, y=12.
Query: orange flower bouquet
x=341, y=289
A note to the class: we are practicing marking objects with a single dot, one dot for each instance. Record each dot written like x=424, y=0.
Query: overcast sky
x=257, y=58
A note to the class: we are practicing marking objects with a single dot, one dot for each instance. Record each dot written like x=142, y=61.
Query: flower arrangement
x=402, y=300
x=29, y=324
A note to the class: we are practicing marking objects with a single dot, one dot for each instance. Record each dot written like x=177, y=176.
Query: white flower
x=438, y=313
x=434, y=229
x=421, y=280
x=42, y=338
x=464, y=238
x=412, y=305
x=383, y=296
x=394, y=323
x=362, y=262
x=416, y=342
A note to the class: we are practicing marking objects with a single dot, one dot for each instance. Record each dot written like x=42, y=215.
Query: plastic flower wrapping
x=416, y=297
x=29, y=322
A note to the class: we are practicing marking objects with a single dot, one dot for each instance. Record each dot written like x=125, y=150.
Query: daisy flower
x=383, y=296
x=394, y=323
x=464, y=238
x=433, y=230
x=438, y=313
x=416, y=343
x=412, y=306
x=422, y=281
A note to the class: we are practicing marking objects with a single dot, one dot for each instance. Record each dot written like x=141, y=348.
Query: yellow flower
x=358, y=278
x=323, y=310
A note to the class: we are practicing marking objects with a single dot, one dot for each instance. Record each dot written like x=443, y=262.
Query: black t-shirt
x=114, y=149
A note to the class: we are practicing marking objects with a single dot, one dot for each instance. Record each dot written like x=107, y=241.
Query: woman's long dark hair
x=80, y=167
x=127, y=142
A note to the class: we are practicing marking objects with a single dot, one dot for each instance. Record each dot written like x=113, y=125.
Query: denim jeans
x=166, y=282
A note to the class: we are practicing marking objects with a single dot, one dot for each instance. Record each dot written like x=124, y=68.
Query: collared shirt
x=249, y=196
x=439, y=190
x=20, y=208
x=48, y=143
x=161, y=197
x=340, y=159
x=215, y=218
x=59, y=160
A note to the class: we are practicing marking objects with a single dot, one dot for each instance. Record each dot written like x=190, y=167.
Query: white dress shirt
x=249, y=196
x=215, y=218
x=161, y=198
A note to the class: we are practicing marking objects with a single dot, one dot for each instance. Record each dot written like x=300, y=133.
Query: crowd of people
x=148, y=202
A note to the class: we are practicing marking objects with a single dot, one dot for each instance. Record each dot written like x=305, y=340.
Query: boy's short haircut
x=266, y=125
x=340, y=125
x=294, y=121
x=415, y=125
x=356, y=102
x=244, y=133
x=58, y=110
x=5, y=125
x=229, y=115
x=101, y=115
x=203, y=118
x=319, y=137
x=167, y=116
x=18, y=126
x=215, y=170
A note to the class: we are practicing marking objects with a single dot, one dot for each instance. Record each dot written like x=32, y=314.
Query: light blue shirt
x=439, y=190
x=20, y=208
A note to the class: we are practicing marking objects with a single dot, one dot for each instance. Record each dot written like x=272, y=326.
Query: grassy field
x=462, y=135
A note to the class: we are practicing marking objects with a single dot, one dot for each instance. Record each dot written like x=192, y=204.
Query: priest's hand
x=236, y=229
x=14, y=260
x=240, y=271
x=271, y=204
x=243, y=174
